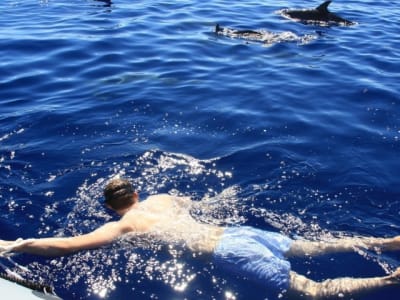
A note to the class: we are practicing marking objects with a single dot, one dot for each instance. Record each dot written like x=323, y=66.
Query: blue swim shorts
x=255, y=254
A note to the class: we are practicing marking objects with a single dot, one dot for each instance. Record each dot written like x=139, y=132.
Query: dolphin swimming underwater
x=320, y=15
x=245, y=34
x=266, y=37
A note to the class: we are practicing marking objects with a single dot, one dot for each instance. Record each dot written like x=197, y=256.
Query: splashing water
x=135, y=260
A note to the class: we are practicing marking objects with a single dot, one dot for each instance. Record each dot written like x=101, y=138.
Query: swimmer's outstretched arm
x=58, y=246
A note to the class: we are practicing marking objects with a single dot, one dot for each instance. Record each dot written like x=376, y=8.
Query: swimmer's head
x=119, y=194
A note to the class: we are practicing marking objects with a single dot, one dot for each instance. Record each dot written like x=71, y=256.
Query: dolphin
x=106, y=2
x=266, y=37
x=320, y=15
x=246, y=34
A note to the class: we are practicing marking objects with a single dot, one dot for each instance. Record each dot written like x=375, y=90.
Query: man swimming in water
x=258, y=255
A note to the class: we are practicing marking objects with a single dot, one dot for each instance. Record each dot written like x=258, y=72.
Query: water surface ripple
x=297, y=137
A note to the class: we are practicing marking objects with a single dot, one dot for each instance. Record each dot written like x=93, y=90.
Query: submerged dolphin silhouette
x=266, y=37
x=320, y=15
x=249, y=34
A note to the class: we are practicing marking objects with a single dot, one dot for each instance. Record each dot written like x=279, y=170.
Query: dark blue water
x=297, y=137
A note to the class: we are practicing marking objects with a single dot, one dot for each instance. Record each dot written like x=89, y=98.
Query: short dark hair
x=118, y=193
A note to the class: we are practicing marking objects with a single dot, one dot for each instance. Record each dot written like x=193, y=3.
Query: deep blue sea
x=298, y=136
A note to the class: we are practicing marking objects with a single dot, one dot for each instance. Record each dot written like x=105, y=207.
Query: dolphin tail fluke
x=323, y=8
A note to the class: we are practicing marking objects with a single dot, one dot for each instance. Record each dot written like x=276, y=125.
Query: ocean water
x=297, y=136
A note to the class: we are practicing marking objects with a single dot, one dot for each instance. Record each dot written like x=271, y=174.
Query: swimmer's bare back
x=168, y=218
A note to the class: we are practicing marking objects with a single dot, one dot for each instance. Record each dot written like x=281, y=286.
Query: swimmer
x=259, y=255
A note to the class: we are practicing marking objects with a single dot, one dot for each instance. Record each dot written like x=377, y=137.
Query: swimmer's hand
x=6, y=247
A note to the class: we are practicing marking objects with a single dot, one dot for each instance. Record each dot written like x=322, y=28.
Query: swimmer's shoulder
x=169, y=200
x=161, y=197
x=159, y=201
x=138, y=220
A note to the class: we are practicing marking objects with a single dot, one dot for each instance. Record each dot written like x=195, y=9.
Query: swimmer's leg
x=314, y=248
x=301, y=285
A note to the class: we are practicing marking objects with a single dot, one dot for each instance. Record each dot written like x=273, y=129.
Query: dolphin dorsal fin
x=323, y=8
